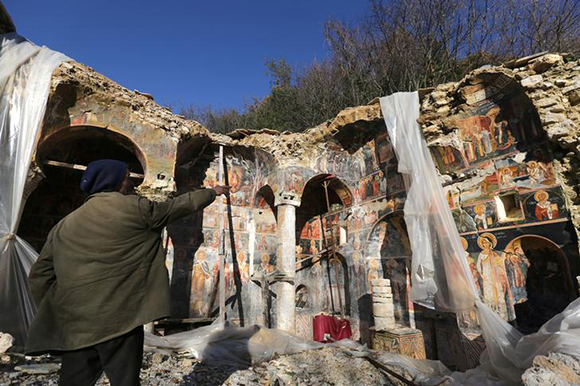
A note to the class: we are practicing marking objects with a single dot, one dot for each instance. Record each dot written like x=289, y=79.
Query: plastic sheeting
x=25, y=73
x=232, y=345
x=440, y=276
x=437, y=250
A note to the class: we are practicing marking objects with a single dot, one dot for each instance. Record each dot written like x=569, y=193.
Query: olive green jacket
x=102, y=270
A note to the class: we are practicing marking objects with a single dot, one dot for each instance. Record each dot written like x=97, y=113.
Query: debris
x=6, y=341
x=554, y=369
x=42, y=368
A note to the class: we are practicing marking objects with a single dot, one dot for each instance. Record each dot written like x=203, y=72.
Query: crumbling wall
x=81, y=97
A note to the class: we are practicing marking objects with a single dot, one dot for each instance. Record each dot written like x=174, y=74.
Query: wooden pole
x=222, y=247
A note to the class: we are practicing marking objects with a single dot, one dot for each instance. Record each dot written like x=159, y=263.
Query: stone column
x=383, y=307
x=286, y=266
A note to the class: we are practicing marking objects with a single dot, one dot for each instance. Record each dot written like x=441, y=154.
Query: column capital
x=287, y=198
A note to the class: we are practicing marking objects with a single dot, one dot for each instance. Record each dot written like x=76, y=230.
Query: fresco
x=490, y=130
x=265, y=253
x=529, y=200
x=371, y=187
x=500, y=275
x=543, y=205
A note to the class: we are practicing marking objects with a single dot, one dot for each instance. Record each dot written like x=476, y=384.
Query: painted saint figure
x=507, y=177
x=200, y=283
x=265, y=266
x=545, y=210
x=490, y=265
x=517, y=267
x=243, y=266
x=536, y=171
x=473, y=267
x=481, y=218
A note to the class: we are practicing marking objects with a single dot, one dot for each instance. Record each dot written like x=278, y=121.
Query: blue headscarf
x=105, y=175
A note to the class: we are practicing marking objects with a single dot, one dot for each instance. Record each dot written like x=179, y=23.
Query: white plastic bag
x=25, y=73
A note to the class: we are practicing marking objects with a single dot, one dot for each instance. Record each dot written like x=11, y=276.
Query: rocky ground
x=326, y=366
x=554, y=369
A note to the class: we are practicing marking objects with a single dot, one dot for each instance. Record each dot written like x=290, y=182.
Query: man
x=101, y=276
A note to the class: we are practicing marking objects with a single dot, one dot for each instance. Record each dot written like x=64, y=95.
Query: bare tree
x=403, y=45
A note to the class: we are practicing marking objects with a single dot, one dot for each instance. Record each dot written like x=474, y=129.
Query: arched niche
x=539, y=280
x=266, y=241
x=388, y=255
x=84, y=144
x=338, y=284
x=59, y=192
x=323, y=195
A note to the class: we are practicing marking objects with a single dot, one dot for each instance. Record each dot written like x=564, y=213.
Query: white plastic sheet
x=232, y=345
x=440, y=276
x=25, y=73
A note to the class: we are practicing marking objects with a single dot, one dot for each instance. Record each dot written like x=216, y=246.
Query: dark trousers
x=119, y=357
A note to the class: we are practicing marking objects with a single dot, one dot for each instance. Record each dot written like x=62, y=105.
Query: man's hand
x=221, y=189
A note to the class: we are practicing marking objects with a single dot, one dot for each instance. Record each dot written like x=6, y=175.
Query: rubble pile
x=17, y=369
x=321, y=367
x=553, y=369
x=326, y=366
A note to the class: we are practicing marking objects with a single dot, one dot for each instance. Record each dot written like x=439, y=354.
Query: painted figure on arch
x=200, y=283
x=482, y=220
x=472, y=266
x=517, y=266
x=545, y=210
x=491, y=267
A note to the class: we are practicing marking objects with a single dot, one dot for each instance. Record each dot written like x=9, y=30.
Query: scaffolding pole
x=222, y=247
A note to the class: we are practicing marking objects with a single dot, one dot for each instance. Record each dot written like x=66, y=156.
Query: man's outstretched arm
x=159, y=214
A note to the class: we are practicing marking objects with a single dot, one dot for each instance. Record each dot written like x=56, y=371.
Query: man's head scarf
x=105, y=175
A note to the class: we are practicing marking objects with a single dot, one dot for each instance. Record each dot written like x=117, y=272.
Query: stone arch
x=314, y=207
x=336, y=187
x=338, y=283
x=75, y=138
x=302, y=299
x=539, y=278
x=58, y=193
x=265, y=225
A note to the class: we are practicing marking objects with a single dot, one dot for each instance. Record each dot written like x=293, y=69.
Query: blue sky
x=200, y=52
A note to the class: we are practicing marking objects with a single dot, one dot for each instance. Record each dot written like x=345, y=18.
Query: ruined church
x=314, y=225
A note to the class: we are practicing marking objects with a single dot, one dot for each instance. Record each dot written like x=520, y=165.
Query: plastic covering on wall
x=440, y=275
x=25, y=73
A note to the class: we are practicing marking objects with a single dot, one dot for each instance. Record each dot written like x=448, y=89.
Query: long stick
x=222, y=249
x=325, y=184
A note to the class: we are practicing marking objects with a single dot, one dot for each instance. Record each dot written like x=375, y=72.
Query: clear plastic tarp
x=230, y=344
x=25, y=73
x=440, y=274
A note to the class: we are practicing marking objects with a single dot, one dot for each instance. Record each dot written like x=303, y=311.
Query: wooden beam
x=83, y=168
